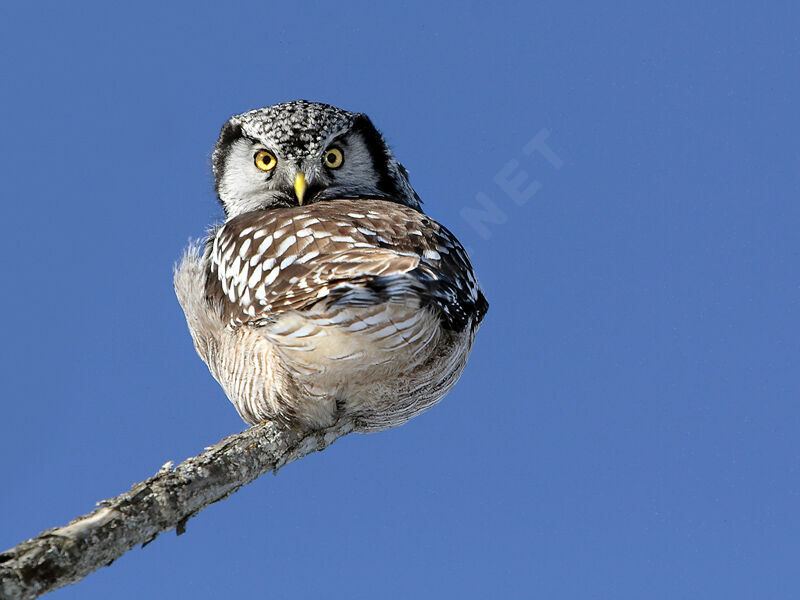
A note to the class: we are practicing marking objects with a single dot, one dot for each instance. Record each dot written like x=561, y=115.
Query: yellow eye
x=333, y=158
x=265, y=161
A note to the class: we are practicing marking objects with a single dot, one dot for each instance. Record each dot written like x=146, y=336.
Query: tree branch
x=64, y=555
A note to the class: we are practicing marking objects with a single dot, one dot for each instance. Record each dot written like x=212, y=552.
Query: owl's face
x=302, y=152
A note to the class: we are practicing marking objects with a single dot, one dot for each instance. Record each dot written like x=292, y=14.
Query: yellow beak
x=300, y=186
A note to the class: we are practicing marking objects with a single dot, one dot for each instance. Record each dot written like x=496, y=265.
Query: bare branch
x=64, y=555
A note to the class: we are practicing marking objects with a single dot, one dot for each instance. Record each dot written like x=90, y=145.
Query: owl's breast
x=347, y=338
x=377, y=367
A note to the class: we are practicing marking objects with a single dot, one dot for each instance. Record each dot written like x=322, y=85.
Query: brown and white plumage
x=359, y=308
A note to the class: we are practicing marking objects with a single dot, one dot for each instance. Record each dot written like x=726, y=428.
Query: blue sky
x=627, y=425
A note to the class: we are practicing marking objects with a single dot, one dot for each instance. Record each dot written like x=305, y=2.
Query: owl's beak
x=300, y=186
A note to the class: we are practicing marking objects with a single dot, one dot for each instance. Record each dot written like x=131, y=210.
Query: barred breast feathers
x=190, y=284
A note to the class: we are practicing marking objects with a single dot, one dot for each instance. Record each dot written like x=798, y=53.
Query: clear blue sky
x=628, y=424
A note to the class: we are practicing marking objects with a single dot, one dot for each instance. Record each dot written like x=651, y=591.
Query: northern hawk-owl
x=327, y=293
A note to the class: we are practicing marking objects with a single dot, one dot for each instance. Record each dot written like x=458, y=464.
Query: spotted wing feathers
x=343, y=252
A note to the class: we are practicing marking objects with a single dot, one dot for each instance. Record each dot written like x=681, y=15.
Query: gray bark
x=64, y=555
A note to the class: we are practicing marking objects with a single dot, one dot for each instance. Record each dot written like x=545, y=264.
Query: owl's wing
x=342, y=252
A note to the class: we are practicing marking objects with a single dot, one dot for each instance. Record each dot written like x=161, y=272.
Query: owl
x=327, y=294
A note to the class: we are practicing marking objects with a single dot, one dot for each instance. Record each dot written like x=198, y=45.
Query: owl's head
x=301, y=152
